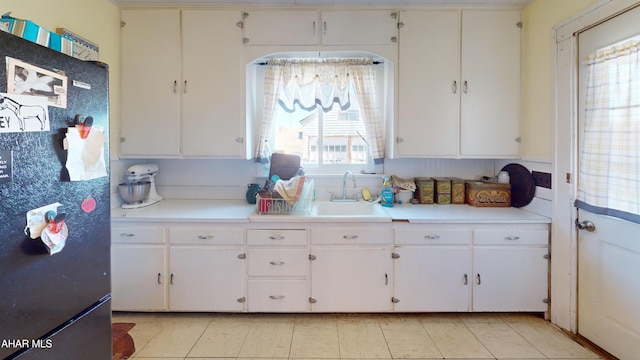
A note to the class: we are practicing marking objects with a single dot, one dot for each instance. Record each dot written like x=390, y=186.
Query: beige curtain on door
x=609, y=181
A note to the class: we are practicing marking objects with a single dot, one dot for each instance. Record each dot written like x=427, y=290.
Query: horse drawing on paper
x=24, y=112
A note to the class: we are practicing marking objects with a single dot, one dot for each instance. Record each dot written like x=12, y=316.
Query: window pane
x=338, y=133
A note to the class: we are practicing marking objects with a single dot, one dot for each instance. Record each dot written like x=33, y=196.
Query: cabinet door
x=490, y=109
x=351, y=279
x=205, y=279
x=138, y=277
x=268, y=27
x=510, y=278
x=377, y=27
x=150, y=122
x=212, y=114
x=432, y=278
x=428, y=82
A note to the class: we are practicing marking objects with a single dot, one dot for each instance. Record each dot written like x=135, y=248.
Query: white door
x=432, y=278
x=346, y=279
x=205, y=279
x=608, y=248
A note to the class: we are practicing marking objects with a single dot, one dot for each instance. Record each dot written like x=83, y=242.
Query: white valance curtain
x=320, y=82
x=610, y=158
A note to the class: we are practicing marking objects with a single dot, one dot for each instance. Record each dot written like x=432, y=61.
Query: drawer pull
x=350, y=237
x=205, y=237
x=127, y=234
x=512, y=237
x=432, y=237
x=279, y=263
x=279, y=237
x=276, y=297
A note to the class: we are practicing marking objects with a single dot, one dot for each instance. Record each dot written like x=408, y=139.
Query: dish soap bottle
x=387, y=193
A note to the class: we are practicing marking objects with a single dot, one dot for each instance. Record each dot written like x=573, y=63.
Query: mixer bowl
x=134, y=192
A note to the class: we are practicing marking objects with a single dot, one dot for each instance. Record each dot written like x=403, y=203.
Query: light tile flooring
x=348, y=336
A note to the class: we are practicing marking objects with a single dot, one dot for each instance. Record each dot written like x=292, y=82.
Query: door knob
x=585, y=225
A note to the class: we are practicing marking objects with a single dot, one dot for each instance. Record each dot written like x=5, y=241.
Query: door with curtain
x=608, y=195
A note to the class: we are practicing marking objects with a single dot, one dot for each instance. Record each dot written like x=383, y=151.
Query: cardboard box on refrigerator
x=61, y=43
x=26, y=29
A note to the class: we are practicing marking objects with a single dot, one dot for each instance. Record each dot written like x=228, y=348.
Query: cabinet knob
x=395, y=300
x=394, y=39
x=399, y=139
x=242, y=256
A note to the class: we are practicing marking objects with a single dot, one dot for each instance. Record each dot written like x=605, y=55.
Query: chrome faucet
x=344, y=189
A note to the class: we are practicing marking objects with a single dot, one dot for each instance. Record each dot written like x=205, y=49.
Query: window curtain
x=309, y=83
x=610, y=158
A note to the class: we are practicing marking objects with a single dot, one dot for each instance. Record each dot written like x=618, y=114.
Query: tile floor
x=170, y=336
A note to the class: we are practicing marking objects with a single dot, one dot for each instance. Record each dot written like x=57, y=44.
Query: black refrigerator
x=55, y=277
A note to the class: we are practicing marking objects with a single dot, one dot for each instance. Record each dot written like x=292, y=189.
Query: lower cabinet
x=336, y=267
x=351, y=269
x=138, y=277
x=138, y=268
x=277, y=270
x=177, y=268
x=440, y=268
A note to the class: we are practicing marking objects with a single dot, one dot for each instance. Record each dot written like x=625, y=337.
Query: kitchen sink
x=348, y=209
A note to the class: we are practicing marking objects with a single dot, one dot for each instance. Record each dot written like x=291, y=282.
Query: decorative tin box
x=488, y=194
x=457, y=191
x=424, y=190
x=443, y=190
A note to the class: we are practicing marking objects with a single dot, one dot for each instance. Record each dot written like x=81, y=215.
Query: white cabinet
x=458, y=84
x=286, y=27
x=490, y=84
x=201, y=268
x=351, y=269
x=206, y=268
x=473, y=268
x=432, y=269
x=511, y=270
x=309, y=27
x=278, y=266
x=150, y=122
x=182, y=95
x=138, y=268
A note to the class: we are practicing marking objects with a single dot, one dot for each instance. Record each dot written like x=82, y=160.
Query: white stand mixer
x=142, y=172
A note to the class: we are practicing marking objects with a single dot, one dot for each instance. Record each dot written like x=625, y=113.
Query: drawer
x=137, y=235
x=511, y=237
x=278, y=262
x=277, y=237
x=349, y=236
x=206, y=236
x=277, y=295
x=432, y=236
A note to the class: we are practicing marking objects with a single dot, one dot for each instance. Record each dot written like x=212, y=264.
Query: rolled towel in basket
x=290, y=189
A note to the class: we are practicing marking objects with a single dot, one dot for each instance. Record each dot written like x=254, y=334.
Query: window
x=335, y=137
x=313, y=107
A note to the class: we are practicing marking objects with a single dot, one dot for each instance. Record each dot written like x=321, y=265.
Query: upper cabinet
x=458, y=84
x=309, y=27
x=150, y=100
x=182, y=84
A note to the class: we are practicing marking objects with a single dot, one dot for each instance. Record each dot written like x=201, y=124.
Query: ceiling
x=344, y=3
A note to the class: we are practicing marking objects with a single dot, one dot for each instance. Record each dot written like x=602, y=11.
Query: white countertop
x=426, y=214
x=239, y=211
x=189, y=210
